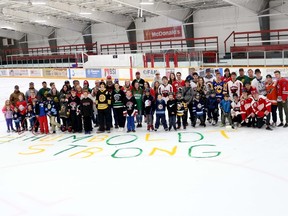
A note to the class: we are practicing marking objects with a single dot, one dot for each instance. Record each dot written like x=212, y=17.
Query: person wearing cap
x=43, y=91
x=14, y=97
x=28, y=92
x=139, y=80
x=271, y=90
x=259, y=83
x=103, y=102
x=156, y=78
x=208, y=79
x=242, y=77
x=282, y=97
x=234, y=86
x=261, y=107
x=109, y=84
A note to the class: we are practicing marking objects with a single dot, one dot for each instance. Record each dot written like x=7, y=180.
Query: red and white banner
x=169, y=32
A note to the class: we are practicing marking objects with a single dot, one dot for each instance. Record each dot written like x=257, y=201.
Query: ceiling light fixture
x=147, y=2
x=85, y=13
x=40, y=21
x=39, y=3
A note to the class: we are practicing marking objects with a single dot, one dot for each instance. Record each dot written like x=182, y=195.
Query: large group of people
x=170, y=102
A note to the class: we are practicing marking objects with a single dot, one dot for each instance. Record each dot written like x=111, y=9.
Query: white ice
x=248, y=178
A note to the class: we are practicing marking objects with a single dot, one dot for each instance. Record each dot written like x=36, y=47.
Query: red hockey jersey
x=282, y=89
x=260, y=106
x=246, y=109
x=22, y=107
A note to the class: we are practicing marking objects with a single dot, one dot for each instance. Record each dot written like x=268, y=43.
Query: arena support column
x=264, y=22
x=189, y=29
x=132, y=37
x=87, y=37
x=53, y=42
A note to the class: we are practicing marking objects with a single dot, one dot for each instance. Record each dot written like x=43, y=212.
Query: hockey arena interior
x=143, y=107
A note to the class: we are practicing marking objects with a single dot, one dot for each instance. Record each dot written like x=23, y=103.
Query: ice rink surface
x=202, y=171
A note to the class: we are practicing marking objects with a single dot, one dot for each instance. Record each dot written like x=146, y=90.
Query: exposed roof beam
x=159, y=8
x=251, y=5
x=49, y=21
x=27, y=28
x=99, y=16
x=11, y=34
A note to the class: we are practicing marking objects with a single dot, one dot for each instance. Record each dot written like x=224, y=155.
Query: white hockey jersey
x=234, y=87
x=236, y=108
x=259, y=84
x=165, y=90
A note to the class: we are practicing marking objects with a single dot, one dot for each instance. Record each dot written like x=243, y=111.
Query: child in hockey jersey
x=8, y=114
x=212, y=108
x=225, y=106
x=160, y=107
x=199, y=110
x=148, y=109
x=41, y=114
x=130, y=110
x=52, y=112
x=235, y=112
x=73, y=110
x=86, y=109
x=172, y=110
x=17, y=119
x=31, y=116
x=248, y=116
x=63, y=112
x=117, y=102
x=181, y=111
x=22, y=108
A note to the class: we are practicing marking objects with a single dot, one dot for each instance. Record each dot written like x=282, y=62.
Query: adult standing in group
x=251, y=75
x=178, y=84
x=190, y=77
x=227, y=75
x=139, y=80
x=259, y=83
x=138, y=95
x=208, y=79
x=28, y=92
x=43, y=91
x=157, y=78
x=75, y=84
x=171, y=79
x=234, y=86
x=194, y=81
x=271, y=89
x=14, y=97
x=242, y=77
x=282, y=92
x=188, y=95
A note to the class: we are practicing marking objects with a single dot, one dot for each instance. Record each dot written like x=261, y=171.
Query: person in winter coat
x=225, y=106
x=188, y=94
x=14, y=97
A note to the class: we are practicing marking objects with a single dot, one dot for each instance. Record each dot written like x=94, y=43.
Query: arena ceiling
x=42, y=16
